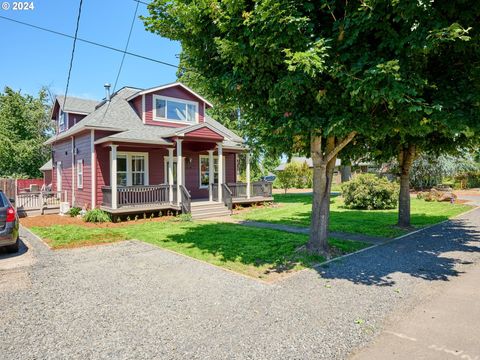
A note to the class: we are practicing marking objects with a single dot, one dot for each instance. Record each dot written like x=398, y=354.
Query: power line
x=73, y=52
x=126, y=46
x=90, y=42
x=141, y=2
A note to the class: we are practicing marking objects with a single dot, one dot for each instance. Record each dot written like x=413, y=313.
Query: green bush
x=367, y=191
x=295, y=175
x=96, y=216
x=469, y=179
x=183, y=217
x=74, y=211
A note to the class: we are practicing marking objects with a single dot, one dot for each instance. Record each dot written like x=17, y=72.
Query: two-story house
x=148, y=150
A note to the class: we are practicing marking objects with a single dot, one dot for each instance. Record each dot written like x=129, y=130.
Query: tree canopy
x=24, y=126
x=309, y=76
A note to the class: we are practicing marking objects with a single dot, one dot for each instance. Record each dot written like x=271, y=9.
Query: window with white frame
x=61, y=120
x=176, y=110
x=205, y=173
x=80, y=174
x=132, y=169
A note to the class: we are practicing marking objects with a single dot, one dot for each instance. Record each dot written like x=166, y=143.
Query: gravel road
x=131, y=300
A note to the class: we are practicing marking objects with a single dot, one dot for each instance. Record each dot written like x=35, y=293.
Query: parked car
x=268, y=178
x=9, y=225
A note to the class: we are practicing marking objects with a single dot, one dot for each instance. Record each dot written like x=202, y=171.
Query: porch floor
x=140, y=208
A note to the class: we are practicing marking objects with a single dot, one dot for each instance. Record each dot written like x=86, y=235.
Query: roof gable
x=167, y=86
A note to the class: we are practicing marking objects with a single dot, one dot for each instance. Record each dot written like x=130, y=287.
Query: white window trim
x=215, y=157
x=129, y=155
x=165, y=169
x=168, y=98
x=79, y=172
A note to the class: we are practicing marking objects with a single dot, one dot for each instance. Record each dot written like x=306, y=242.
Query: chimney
x=107, y=92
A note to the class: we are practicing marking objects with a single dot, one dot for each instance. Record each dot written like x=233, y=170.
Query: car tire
x=14, y=247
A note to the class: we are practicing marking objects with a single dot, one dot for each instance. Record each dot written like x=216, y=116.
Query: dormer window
x=174, y=110
x=61, y=120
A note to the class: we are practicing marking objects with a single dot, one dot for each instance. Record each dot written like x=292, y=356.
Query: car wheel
x=14, y=248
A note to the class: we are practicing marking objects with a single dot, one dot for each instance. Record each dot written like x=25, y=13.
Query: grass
x=295, y=209
x=261, y=253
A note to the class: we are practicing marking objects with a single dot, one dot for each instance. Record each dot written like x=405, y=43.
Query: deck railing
x=257, y=189
x=186, y=200
x=214, y=189
x=136, y=195
x=227, y=196
x=36, y=200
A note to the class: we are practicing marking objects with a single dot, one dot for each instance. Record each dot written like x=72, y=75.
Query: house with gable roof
x=148, y=150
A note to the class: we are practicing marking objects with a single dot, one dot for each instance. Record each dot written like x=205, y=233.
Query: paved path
x=132, y=300
x=305, y=230
x=446, y=326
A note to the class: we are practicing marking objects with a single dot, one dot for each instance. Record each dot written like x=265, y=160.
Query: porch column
x=247, y=160
x=179, y=169
x=113, y=175
x=220, y=171
x=170, y=174
x=211, y=174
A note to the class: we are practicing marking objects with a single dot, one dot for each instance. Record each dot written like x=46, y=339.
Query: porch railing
x=186, y=200
x=257, y=189
x=36, y=200
x=227, y=196
x=136, y=195
x=214, y=189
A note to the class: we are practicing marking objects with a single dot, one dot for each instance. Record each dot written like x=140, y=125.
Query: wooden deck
x=132, y=209
x=252, y=200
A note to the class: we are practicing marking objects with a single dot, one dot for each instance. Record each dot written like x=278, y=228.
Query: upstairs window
x=62, y=120
x=175, y=110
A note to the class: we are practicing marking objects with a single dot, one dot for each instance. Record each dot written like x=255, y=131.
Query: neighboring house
x=147, y=150
x=46, y=169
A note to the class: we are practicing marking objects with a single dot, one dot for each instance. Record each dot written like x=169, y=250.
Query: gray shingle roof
x=47, y=166
x=118, y=115
x=77, y=105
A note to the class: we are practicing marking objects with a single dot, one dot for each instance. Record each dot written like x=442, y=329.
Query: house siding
x=174, y=92
x=203, y=133
x=63, y=153
x=74, y=118
x=83, y=197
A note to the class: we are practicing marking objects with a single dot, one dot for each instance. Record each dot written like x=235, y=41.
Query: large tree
x=301, y=70
x=24, y=126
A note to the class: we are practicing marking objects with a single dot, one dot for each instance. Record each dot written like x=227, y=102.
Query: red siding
x=63, y=153
x=174, y=92
x=24, y=184
x=74, y=119
x=137, y=105
x=204, y=133
x=83, y=197
x=47, y=177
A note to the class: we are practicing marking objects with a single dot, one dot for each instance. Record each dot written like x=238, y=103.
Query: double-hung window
x=175, y=110
x=62, y=119
x=80, y=174
x=132, y=169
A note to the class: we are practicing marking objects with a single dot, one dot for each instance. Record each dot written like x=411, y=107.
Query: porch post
x=179, y=169
x=220, y=171
x=248, y=174
x=211, y=174
x=170, y=175
x=113, y=175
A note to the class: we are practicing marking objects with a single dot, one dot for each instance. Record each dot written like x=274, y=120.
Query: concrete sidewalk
x=445, y=327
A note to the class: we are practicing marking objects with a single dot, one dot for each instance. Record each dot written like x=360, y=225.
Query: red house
x=148, y=150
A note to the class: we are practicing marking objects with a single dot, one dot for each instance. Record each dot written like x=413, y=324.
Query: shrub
x=468, y=179
x=74, y=211
x=183, y=217
x=295, y=175
x=367, y=191
x=96, y=216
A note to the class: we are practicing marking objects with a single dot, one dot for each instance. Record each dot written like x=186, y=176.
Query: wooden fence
x=9, y=187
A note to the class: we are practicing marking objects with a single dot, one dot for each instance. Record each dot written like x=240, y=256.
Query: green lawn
x=295, y=209
x=262, y=253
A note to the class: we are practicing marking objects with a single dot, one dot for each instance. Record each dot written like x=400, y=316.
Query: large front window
x=168, y=109
x=205, y=173
x=132, y=169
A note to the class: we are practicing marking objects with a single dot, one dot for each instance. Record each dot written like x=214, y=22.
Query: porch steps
x=208, y=210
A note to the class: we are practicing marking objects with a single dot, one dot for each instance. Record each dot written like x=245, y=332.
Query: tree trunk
x=406, y=157
x=346, y=173
x=323, y=169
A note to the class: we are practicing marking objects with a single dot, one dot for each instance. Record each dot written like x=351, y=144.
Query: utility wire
x=73, y=52
x=126, y=46
x=141, y=2
x=90, y=42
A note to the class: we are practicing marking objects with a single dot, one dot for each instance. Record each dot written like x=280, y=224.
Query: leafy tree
x=309, y=76
x=288, y=177
x=24, y=126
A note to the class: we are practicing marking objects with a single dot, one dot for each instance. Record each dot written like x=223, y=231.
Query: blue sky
x=30, y=58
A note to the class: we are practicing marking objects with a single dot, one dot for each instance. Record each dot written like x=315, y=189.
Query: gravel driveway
x=131, y=300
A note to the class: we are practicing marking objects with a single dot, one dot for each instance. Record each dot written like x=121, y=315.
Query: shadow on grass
x=222, y=243
x=431, y=255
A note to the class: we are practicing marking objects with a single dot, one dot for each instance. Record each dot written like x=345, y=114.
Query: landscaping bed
x=295, y=209
x=260, y=253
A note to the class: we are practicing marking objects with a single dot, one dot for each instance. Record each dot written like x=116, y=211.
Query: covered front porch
x=142, y=178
